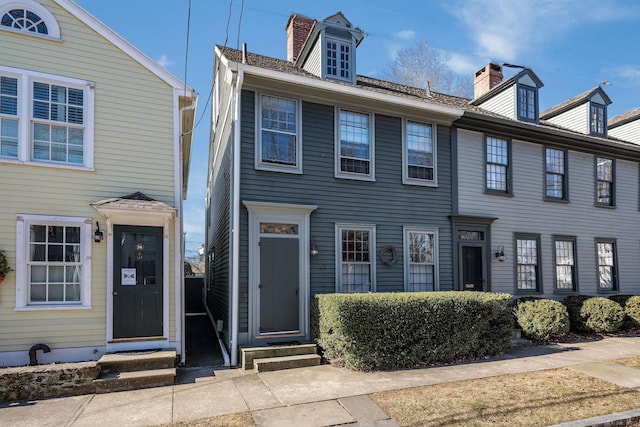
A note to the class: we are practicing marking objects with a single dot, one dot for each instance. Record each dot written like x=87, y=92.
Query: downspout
x=180, y=318
x=235, y=268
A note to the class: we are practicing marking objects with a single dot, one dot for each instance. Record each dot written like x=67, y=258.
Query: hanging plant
x=5, y=268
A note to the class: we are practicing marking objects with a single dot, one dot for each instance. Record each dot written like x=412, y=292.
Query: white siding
x=503, y=103
x=576, y=119
x=628, y=132
x=314, y=60
x=527, y=212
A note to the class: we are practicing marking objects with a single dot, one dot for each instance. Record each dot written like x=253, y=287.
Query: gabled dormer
x=326, y=49
x=516, y=97
x=585, y=113
x=626, y=126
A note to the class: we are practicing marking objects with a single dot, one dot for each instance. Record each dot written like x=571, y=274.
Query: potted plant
x=5, y=268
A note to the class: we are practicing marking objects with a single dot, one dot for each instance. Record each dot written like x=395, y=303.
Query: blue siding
x=387, y=202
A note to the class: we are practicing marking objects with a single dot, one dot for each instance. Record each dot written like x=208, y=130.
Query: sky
x=571, y=45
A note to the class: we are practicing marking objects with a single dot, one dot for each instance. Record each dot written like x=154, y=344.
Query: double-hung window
x=57, y=262
x=605, y=184
x=45, y=119
x=607, y=265
x=497, y=165
x=555, y=178
x=528, y=263
x=278, y=143
x=338, y=59
x=527, y=110
x=354, y=146
x=419, y=154
x=355, y=263
x=421, y=259
x=565, y=259
x=598, y=120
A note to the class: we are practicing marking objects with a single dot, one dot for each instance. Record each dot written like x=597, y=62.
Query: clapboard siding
x=628, y=132
x=386, y=203
x=503, y=103
x=527, y=212
x=576, y=119
x=314, y=63
x=133, y=151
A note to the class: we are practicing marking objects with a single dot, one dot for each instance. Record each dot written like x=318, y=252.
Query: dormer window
x=598, y=119
x=527, y=103
x=338, y=59
x=28, y=17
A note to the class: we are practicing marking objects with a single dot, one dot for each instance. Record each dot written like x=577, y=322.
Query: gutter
x=235, y=267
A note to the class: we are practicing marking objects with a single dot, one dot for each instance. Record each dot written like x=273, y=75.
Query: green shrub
x=602, y=315
x=632, y=311
x=622, y=299
x=395, y=330
x=574, y=305
x=542, y=319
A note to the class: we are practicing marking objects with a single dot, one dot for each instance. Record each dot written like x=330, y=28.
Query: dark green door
x=279, y=285
x=472, y=268
x=137, y=281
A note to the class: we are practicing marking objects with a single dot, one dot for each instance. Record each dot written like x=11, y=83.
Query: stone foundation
x=44, y=381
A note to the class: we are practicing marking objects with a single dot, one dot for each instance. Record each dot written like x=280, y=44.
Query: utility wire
x=186, y=54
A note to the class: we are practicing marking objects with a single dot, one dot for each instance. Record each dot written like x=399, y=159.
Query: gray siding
x=503, y=103
x=387, y=203
x=576, y=119
x=628, y=132
x=527, y=212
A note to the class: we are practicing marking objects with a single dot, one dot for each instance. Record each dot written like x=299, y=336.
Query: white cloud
x=628, y=73
x=503, y=29
x=406, y=34
x=462, y=64
x=164, y=60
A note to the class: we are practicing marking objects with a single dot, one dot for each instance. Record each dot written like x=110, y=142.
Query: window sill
x=47, y=164
x=270, y=168
x=525, y=292
x=498, y=193
x=356, y=178
x=553, y=200
x=419, y=183
x=597, y=205
x=53, y=307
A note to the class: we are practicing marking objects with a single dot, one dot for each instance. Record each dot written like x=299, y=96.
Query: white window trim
x=405, y=156
x=372, y=151
x=436, y=258
x=352, y=58
x=371, y=228
x=22, y=252
x=267, y=166
x=52, y=24
x=25, y=120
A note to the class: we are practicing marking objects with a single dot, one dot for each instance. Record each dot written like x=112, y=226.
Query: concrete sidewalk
x=316, y=396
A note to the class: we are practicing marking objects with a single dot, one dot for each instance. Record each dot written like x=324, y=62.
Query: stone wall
x=42, y=381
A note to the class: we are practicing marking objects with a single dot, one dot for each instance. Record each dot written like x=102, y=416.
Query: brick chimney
x=486, y=79
x=298, y=28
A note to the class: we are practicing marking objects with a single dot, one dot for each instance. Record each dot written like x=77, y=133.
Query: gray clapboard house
x=321, y=181
x=552, y=196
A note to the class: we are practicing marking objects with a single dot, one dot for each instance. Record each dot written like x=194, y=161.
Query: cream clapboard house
x=95, y=142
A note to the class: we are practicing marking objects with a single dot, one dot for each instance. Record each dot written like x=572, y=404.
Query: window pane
x=354, y=142
x=38, y=293
x=565, y=263
x=8, y=138
x=420, y=151
x=356, y=261
x=527, y=264
x=606, y=265
x=278, y=130
x=38, y=274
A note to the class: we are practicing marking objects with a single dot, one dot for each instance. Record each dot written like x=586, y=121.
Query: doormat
x=283, y=343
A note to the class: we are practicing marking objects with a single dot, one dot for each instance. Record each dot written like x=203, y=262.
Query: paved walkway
x=317, y=396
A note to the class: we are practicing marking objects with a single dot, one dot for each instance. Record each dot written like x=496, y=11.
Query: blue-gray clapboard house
x=321, y=181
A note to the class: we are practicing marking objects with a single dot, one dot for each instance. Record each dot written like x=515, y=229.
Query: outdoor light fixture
x=314, y=248
x=98, y=236
x=500, y=253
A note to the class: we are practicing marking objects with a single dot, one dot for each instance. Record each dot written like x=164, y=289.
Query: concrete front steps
x=275, y=358
x=135, y=370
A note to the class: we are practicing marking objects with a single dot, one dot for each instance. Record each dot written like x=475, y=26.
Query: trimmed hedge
x=632, y=310
x=602, y=315
x=574, y=305
x=400, y=330
x=542, y=319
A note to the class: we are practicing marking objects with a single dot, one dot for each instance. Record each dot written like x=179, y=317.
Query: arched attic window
x=29, y=17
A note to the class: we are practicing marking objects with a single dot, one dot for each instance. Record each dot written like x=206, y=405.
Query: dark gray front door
x=472, y=268
x=137, y=281
x=279, y=285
